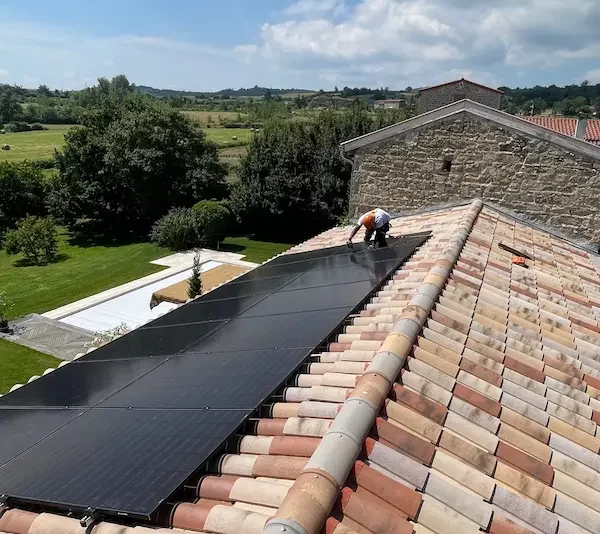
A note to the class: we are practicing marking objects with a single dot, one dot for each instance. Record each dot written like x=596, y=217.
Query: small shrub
x=195, y=280
x=35, y=238
x=16, y=127
x=177, y=230
x=6, y=304
x=44, y=163
x=213, y=221
x=37, y=127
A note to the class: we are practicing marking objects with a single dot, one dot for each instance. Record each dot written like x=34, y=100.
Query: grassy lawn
x=224, y=136
x=255, y=251
x=33, y=145
x=81, y=271
x=41, y=145
x=216, y=117
x=19, y=364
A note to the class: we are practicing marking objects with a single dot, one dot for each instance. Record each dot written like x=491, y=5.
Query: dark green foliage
x=21, y=190
x=293, y=182
x=205, y=224
x=195, y=280
x=571, y=100
x=35, y=238
x=9, y=103
x=44, y=163
x=177, y=230
x=17, y=127
x=132, y=161
x=212, y=223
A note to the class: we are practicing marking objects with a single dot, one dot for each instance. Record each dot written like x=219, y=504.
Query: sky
x=207, y=45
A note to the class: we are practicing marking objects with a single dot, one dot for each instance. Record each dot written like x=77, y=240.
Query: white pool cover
x=132, y=308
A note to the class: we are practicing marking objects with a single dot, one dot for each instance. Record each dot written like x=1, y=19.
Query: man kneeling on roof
x=375, y=222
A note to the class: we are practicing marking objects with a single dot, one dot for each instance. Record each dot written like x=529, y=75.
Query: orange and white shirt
x=374, y=219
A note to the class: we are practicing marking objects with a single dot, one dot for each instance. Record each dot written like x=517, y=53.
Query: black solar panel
x=150, y=342
x=243, y=288
x=219, y=380
x=160, y=400
x=212, y=310
x=80, y=384
x=21, y=429
x=118, y=460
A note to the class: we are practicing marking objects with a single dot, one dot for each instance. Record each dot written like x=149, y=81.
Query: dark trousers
x=379, y=235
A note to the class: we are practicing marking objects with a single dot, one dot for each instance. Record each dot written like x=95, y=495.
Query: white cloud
x=592, y=76
x=444, y=35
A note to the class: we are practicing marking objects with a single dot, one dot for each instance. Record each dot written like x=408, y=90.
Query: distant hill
x=255, y=91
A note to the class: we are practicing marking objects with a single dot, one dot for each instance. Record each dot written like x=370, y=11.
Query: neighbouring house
x=462, y=396
x=395, y=103
x=437, y=96
x=468, y=149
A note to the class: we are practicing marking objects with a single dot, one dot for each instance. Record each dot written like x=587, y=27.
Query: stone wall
x=453, y=92
x=533, y=177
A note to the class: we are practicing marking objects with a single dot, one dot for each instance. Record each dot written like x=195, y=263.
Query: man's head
x=369, y=220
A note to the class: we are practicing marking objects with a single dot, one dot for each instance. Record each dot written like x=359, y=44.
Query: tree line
x=570, y=100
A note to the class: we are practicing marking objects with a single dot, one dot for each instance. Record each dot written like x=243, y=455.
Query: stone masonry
x=442, y=95
x=534, y=177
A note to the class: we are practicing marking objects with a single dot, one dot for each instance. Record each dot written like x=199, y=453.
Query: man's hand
x=349, y=243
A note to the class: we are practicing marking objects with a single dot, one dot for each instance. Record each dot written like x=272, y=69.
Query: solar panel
x=118, y=460
x=160, y=400
x=80, y=384
x=23, y=428
x=243, y=288
x=315, y=298
x=238, y=380
x=285, y=331
x=202, y=311
x=151, y=342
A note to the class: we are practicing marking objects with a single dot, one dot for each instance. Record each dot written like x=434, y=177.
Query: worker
x=375, y=222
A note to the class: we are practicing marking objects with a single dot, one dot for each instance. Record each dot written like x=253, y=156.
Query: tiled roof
x=464, y=397
x=567, y=126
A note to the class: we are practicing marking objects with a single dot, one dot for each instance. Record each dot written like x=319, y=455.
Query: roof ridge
x=315, y=491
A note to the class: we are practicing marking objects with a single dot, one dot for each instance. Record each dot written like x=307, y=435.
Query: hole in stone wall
x=447, y=165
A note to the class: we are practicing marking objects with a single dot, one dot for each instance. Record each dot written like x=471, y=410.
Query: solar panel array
x=122, y=428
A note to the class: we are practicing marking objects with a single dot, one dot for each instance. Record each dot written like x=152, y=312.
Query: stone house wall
x=437, y=97
x=533, y=177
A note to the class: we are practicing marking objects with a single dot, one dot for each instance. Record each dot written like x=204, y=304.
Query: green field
x=18, y=364
x=216, y=117
x=42, y=144
x=255, y=251
x=33, y=145
x=81, y=271
x=224, y=137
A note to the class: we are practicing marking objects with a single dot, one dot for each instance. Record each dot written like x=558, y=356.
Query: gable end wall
x=531, y=176
x=447, y=94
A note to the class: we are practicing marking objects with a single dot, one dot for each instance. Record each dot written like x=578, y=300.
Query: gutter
x=316, y=490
